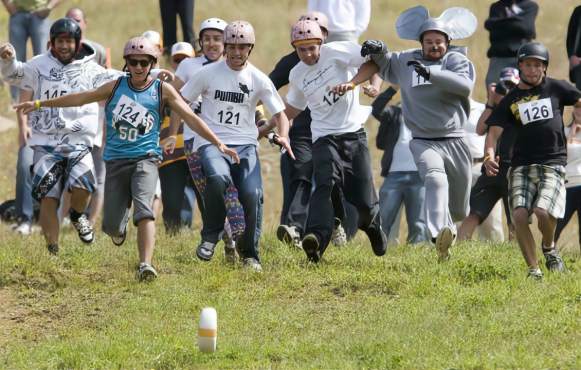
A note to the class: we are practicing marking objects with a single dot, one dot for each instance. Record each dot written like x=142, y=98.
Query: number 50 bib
x=536, y=110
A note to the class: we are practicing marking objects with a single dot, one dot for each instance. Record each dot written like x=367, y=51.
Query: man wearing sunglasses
x=61, y=137
x=132, y=151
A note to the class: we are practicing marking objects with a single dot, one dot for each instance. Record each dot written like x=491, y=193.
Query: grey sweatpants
x=445, y=166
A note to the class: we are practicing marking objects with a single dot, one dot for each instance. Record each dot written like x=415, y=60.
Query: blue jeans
x=220, y=172
x=24, y=201
x=406, y=188
x=24, y=25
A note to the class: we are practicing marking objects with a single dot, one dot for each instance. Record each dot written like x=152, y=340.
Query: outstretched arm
x=70, y=100
x=178, y=105
x=366, y=71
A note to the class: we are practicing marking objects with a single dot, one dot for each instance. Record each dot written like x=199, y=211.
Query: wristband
x=486, y=157
x=352, y=84
x=37, y=104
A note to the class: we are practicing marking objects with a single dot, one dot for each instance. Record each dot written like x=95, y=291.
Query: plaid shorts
x=538, y=186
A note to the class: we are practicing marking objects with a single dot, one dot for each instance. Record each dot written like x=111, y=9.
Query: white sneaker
x=338, y=237
x=444, y=241
x=252, y=264
x=84, y=229
x=146, y=272
x=23, y=229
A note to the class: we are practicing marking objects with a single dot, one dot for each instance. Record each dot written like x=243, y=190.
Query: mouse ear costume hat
x=456, y=23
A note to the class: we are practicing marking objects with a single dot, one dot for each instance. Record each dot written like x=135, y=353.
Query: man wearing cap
x=537, y=176
x=436, y=82
x=485, y=210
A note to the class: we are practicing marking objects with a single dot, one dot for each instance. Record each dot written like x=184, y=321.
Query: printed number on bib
x=331, y=98
x=418, y=80
x=130, y=111
x=53, y=91
x=536, y=110
x=228, y=118
x=128, y=133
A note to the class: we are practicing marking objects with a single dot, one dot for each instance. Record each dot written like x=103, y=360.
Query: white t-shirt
x=311, y=86
x=403, y=159
x=186, y=70
x=475, y=142
x=229, y=101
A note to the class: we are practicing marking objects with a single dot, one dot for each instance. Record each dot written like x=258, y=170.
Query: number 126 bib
x=536, y=110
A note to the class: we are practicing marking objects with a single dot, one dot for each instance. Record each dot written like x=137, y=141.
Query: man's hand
x=7, y=51
x=25, y=107
x=230, y=152
x=169, y=144
x=42, y=13
x=10, y=7
x=284, y=143
x=165, y=75
x=493, y=97
x=341, y=89
x=421, y=69
x=491, y=166
x=371, y=47
x=370, y=91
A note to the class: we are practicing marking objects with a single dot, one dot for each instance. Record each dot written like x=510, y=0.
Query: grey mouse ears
x=456, y=23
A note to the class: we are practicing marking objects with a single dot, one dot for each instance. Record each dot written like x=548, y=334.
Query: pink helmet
x=306, y=30
x=318, y=17
x=140, y=46
x=239, y=32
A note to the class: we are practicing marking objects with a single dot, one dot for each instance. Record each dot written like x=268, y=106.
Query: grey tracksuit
x=436, y=112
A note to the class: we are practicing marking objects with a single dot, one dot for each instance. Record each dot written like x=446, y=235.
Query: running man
x=230, y=90
x=132, y=152
x=340, y=154
x=61, y=138
x=436, y=82
x=537, y=176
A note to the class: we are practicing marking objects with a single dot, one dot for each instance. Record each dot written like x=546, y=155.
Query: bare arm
x=70, y=100
x=22, y=119
x=366, y=72
x=179, y=106
x=291, y=112
x=10, y=7
x=490, y=159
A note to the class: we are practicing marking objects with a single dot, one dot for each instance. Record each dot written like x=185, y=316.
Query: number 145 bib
x=536, y=110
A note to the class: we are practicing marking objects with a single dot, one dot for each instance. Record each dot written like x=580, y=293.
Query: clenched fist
x=7, y=51
x=371, y=47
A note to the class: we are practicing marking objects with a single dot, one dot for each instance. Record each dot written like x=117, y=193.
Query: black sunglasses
x=142, y=62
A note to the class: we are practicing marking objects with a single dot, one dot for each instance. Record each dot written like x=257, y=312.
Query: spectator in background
x=28, y=19
x=574, y=47
x=174, y=173
x=402, y=184
x=511, y=23
x=169, y=10
x=348, y=19
x=101, y=54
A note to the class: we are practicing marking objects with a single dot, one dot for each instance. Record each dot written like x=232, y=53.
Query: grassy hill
x=84, y=309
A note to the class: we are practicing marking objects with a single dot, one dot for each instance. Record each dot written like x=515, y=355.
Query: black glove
x=421, y=69
x=373, y=47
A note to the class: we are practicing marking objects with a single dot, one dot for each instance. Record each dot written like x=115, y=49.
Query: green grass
x=85, y=309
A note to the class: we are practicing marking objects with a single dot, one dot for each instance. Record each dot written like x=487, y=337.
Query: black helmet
x=533, y=50
x=67, y=26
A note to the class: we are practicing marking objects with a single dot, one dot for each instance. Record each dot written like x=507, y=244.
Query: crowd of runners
x=196, y=130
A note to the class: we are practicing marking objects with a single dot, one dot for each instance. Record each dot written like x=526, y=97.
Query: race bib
x=230, y=116
x=130, y=111
x=536, y=110
x=52, y=89
x=418, y=80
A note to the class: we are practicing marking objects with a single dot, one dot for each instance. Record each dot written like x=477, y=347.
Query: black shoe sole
x=311, y=248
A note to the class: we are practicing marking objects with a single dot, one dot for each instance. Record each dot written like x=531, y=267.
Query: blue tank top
x=133, y=121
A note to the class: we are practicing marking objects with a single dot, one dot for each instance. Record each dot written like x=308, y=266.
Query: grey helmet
x=434, y=24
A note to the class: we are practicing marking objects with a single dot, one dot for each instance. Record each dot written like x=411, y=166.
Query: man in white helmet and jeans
x=436, y=82
x=340, y=154
x=230, y=90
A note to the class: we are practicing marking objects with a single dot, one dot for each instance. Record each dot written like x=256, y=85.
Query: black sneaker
x=553, y=261
x=205, y=250
x=378, y=239
x=311, y=248
x=289, y=235
x=53, y=249
x=119, y=240
x=84, y=229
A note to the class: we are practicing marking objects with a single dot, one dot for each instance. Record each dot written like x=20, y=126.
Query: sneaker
x=146, y=272
x=289, y=235
x=230, y=253
x=553, y=261
x=338, y=237
x=120, y=239
x=311, y=248
x=23, y=229
x=252, y=264
x=535, y=273
x=205, y=250
x=378, y=239
x=444, y=241
x=84, y=229
x=53, y=249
